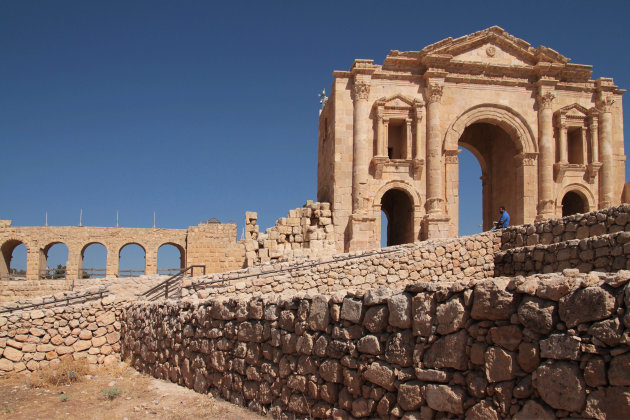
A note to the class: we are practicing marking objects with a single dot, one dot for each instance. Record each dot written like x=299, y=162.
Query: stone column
x=361, y=142
x=435, y=199
x=385, y=137
x=546, y=158
x=380, y=135
x=419, y=140
x=606, y=179
x=584, y=146
x=408, y=140
x=562, y=141
x=594, y=140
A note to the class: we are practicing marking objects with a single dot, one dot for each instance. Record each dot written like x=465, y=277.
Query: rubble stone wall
x=602, y=253
x=577, y=226
x=307, y=232
x=541, y=347
x=30, y=340
x=393, y=267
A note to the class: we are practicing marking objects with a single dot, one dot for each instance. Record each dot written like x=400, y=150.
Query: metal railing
x=52, y=273
x=172, y=286
x=130, y=273
x=100, y=293
x=168, y=271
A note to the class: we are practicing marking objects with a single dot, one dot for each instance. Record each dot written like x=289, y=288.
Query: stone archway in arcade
x=496, y=152
x=397, y=207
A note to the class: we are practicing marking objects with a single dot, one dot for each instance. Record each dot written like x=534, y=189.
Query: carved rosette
x=434, y=92
x=361, y=90
x=545, y=100
x=605, y=103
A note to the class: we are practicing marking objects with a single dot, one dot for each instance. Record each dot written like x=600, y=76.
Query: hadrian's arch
x=504, y=145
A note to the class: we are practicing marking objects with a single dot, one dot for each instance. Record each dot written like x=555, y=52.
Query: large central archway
x=504, y=145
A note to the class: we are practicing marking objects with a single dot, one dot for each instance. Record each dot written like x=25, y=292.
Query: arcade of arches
x=548, y=138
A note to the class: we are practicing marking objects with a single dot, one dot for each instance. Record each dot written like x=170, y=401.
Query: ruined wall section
x=547, y=346
x=214, y=245
x=393, y=267
x=306, y=232
x=30, y=340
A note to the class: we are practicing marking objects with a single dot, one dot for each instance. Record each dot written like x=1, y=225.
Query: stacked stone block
x=436, y=260
x=307, y=231
x=539, y=347
x=30, y=340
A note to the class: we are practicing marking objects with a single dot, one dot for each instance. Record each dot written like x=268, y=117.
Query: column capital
x=434, y=91
x=526, y=159
x=605, y=102
x=450, y=156
x=545, y=100
x=361, y=89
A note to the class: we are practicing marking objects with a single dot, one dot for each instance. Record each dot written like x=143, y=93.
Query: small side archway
x=93, y=260
x=171, y=258
x=574, y=199
x=396, y=206
x=54, y=261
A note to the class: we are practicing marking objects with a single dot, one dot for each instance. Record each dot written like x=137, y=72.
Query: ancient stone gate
x=549, y=139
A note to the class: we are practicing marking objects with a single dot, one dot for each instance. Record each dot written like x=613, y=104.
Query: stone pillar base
x=435, y=226
x=362, y=229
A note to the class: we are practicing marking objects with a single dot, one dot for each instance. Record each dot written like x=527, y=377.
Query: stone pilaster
x=546, y=157
x=562, y=139
x=606, y=179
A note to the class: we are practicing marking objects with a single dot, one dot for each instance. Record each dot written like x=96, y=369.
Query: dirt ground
x=111, y=393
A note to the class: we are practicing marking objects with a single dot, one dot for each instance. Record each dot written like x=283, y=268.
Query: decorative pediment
x=395, y=101
x=493, y=45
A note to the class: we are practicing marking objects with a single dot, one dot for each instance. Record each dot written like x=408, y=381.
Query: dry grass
x=65, y=372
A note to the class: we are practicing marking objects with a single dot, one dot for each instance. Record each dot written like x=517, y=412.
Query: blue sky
x=198, y=109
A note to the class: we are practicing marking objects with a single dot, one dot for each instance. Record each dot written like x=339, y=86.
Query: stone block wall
x=12, y=290
x=435, y=260
x=539, y=347
x=577, y=226
x=214, y=245
x=30, y=340
x=602, y=253
x=307, y=232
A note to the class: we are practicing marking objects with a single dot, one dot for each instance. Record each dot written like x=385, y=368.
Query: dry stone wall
x=577, y=226
x=308, y=231
x=602, y=253
x=30, y=340
x=435, y=260
x=538, y=347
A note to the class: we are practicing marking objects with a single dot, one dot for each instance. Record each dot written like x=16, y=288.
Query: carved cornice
x=434, y=92
x=545, y=100
x=450, y=156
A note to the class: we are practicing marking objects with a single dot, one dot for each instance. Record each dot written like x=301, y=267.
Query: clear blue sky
x=199, y=109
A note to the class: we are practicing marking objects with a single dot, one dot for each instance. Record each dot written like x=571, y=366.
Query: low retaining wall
x=12, y=290
x=30, y=340
x=602, y=253
x=538, y=347
x=434, y=260
x=577, y=226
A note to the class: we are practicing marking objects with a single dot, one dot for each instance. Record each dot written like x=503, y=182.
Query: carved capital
x=434, y=92
x=545, y=207
x=434, y=205
x=450, y=156
x=361, y=90
x=526, y=159
x=605, y=103
x=545, y=100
